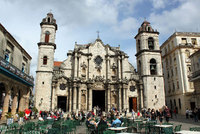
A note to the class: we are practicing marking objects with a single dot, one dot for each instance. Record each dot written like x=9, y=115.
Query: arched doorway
x=2, y=94
x=98, y=99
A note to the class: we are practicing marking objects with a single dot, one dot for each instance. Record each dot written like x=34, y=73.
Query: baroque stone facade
x=95, y=74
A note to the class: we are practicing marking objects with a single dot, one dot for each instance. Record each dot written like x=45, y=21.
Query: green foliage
x=35, y=110
x=9, y=115
x=21, y=114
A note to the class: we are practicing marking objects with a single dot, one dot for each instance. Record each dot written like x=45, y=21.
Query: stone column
x=79, y=98
x=124, y=98
x=22, y=101
x=119, y=99
x=90, y=99
x=14, y=104
x=27, y=98
x=119, y=68
x=70, y=99
x=75, y=65
x=6, y=102
x=74, y=99
x=109, y=90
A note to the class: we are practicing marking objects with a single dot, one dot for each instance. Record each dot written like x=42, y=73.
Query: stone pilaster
x=119, y=99
x=90, y=99
x=27, y=98
x=74, y=98
x=6, y=102
x=119, y=67
x=79, y=99
x=70, y=99
x=109, y=90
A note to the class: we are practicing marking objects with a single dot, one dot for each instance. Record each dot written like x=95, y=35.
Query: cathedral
x=97, y=74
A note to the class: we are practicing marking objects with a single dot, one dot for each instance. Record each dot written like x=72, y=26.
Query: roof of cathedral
x=57, y=63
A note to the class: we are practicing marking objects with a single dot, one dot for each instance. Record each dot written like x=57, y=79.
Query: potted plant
x=34, y=111
x=21, y=116
x=9, y=117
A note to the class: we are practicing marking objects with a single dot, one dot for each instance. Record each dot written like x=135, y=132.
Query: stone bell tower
x=46, y=49
x=150, y=66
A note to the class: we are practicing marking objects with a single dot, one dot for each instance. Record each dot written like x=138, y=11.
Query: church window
x=48, y=19
x=179, y=101
x=154, y=87
x=194, y=41
x=153, y=67
x=174, y=102
x=47, y=33
x=138, y=45
x=45, y=60
x=155, y=96
x=132, y=88
x=171, y=104
x=98, y=60
x=151, y=43
x=43, y=82
x=139, y=68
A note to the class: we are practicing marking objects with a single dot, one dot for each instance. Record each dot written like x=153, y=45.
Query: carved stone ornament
x=83, y=65
x=114, y=66
x=62, y=86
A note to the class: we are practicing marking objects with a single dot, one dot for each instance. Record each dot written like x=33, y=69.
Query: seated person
x=116, y=122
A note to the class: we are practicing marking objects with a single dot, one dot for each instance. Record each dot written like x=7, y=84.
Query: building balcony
x=195, y=75
x=13, y=72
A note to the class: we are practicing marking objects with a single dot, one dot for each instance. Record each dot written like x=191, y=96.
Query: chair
x=168, y=130
x=108, y=132
x=177, y=128
x=195, y=129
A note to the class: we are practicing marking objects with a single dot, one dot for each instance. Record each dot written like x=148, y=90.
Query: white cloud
x=184, y=18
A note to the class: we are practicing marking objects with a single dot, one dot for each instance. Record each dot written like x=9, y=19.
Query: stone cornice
x=47, y=44
x=147, y=50
x=48, y=23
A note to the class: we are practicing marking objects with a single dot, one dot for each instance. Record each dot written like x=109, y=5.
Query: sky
x=79, y=20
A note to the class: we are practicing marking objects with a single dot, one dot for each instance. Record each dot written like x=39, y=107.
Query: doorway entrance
x=133, y=104
x=62, y=103
x=98, y=99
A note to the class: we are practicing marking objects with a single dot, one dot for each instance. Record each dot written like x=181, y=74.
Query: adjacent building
x=97, y=74
x=15, y=82
x=179, y=91
x=195, y=77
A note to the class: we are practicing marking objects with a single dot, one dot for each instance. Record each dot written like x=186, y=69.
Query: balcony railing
x=195, y=74
x=16, y=72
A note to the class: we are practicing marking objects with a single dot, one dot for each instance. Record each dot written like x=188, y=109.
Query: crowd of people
x=193, y=114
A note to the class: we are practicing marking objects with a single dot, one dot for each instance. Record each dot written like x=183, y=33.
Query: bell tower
x=46, y=49
x=149, y=66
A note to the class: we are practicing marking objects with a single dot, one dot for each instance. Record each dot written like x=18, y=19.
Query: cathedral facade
x=96, y=74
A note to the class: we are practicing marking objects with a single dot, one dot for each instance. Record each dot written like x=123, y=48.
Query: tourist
x=175, y=113
x=187, y=113
x=138, y=114
x=167, y=114
x=148, y=114
x=40, y=118
x=153, y=114
x=133, y=114
x=116, y=123
x=161, y=116
x=195, y=114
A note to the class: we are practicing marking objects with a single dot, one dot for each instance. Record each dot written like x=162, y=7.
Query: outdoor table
x=162, y=126
x=187, y=132
x=117, y=128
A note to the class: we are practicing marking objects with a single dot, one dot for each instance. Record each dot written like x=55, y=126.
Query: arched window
x=48, y=19
x=151, y=43
x=45, y=60
x=138, y=45
x=139, y=67
x=47, y=33
x=153, y=67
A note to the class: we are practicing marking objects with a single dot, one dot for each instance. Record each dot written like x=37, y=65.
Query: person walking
x=187, y=113
x=167, y=114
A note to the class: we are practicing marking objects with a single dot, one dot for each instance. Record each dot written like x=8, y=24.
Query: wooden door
x=134, y=103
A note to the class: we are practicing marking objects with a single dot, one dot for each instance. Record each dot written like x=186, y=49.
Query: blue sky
x=78, y=20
